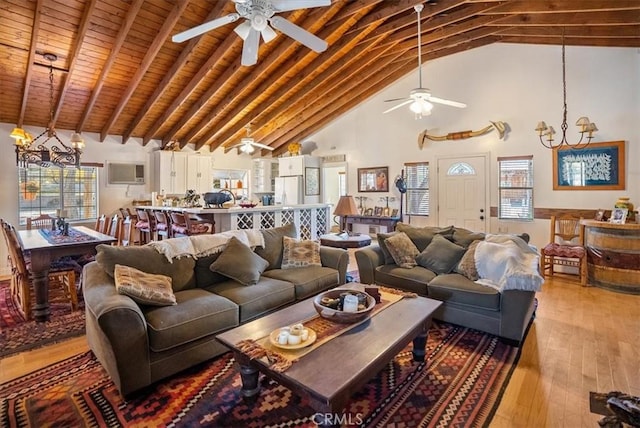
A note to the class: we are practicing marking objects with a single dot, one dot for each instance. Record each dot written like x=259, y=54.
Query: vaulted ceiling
x=119, y=73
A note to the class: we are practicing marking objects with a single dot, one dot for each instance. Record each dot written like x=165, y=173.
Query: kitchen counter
x=311, y=220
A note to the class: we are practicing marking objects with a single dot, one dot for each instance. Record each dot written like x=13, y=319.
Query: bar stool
x=182, y=224
x=144, y=226
x=162, y=225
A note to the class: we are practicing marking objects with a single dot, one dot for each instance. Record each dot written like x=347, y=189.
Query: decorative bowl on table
x=247, y=204
x=329, y=306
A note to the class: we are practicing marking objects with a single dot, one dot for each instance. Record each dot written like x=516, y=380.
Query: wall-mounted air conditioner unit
x=125, y=173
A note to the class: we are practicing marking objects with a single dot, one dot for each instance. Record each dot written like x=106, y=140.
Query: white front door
x=462, y=192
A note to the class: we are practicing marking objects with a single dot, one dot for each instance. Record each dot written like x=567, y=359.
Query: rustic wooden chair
x=61, y=280
x=566, y=248
x=102, y=224
x=126, y=232
x=40, y=222
x=114, y=228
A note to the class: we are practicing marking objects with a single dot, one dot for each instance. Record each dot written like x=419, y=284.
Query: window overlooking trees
x=45, y=190
x=516, y=188
x=417, y=180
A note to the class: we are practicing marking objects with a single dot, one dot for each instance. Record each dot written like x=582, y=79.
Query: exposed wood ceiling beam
x=29, y=66
x=152, y=51
x=82, y=32
x=111, y=59
x=171, y=74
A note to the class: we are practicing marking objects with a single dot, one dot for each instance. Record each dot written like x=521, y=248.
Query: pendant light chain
x=51, y=82
x=564, y=125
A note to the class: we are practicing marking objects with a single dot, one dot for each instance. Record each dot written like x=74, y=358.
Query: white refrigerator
x=289, y=191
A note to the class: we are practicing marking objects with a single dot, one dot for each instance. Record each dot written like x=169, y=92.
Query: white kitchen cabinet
x=199, y=173
x=170, y=172
x=263, y=173
x=295, y=165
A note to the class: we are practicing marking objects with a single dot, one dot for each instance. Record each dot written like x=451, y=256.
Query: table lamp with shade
x=346, y=206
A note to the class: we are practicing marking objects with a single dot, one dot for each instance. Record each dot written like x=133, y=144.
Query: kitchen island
x=311, y=220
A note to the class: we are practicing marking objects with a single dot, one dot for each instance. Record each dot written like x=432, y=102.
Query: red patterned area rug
x=19, y=335
x=460, y=386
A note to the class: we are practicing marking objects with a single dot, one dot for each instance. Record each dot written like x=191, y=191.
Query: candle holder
x=62, y=226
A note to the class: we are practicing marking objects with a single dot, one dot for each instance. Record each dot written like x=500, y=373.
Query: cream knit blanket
x=506, y=262
x=197, y=246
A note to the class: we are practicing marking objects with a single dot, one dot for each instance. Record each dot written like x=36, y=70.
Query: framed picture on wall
x=598, y=166
x=374, y=179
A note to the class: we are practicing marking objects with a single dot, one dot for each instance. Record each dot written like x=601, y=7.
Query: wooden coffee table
x=351, y=241
x=331, y=373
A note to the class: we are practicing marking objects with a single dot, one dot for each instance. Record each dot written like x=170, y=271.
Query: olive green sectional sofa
x=442, y=272
x=139, y=344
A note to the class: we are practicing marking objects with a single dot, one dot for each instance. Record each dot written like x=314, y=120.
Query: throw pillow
x=441, y=255
x=238, y=262
x=382, y=237
x=464, y=237
x=402, y=249
x=147, y=259
x=300, y=253
x=467, y=264
x=422, y=236
x=144, y=288
x=272, y=251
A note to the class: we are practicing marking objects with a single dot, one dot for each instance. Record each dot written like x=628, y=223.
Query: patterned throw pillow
x=402, y=249
x=239, y=263
x=467, y=264
x=144, y=288
x=297, y=254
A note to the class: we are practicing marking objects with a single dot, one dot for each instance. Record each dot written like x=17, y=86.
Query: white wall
x=517, y=84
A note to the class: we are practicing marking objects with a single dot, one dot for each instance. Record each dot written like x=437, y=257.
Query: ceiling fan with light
x=248, y=145
x=420, y=98
x=258, y=14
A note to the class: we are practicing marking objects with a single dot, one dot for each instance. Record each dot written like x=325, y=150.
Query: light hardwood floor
x=583, y=339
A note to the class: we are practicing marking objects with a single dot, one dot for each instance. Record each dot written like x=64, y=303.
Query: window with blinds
x=45, y=190
x=516, y=188
x=417, y=180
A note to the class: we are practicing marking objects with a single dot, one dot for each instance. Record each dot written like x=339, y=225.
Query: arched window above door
x=461, y=168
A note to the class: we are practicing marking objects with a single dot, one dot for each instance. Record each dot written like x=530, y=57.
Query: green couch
x=141, y=344
x=506, y=314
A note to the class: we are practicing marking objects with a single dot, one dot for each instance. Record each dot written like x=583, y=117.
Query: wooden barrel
x=613, y=255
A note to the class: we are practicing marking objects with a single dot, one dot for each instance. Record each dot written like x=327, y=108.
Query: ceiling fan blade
x=203, y=28
x=298, y=33
x=287, y=5
x=250, y=48
x=397, y=99
x=268, y=34
x=447, y=102
x=243, y=29
x=263, y=146
x=398, y=106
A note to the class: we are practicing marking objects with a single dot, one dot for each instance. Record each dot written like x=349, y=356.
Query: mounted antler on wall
x=501, y=127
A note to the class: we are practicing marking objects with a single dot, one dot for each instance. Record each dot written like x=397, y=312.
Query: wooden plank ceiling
x=119, y=73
